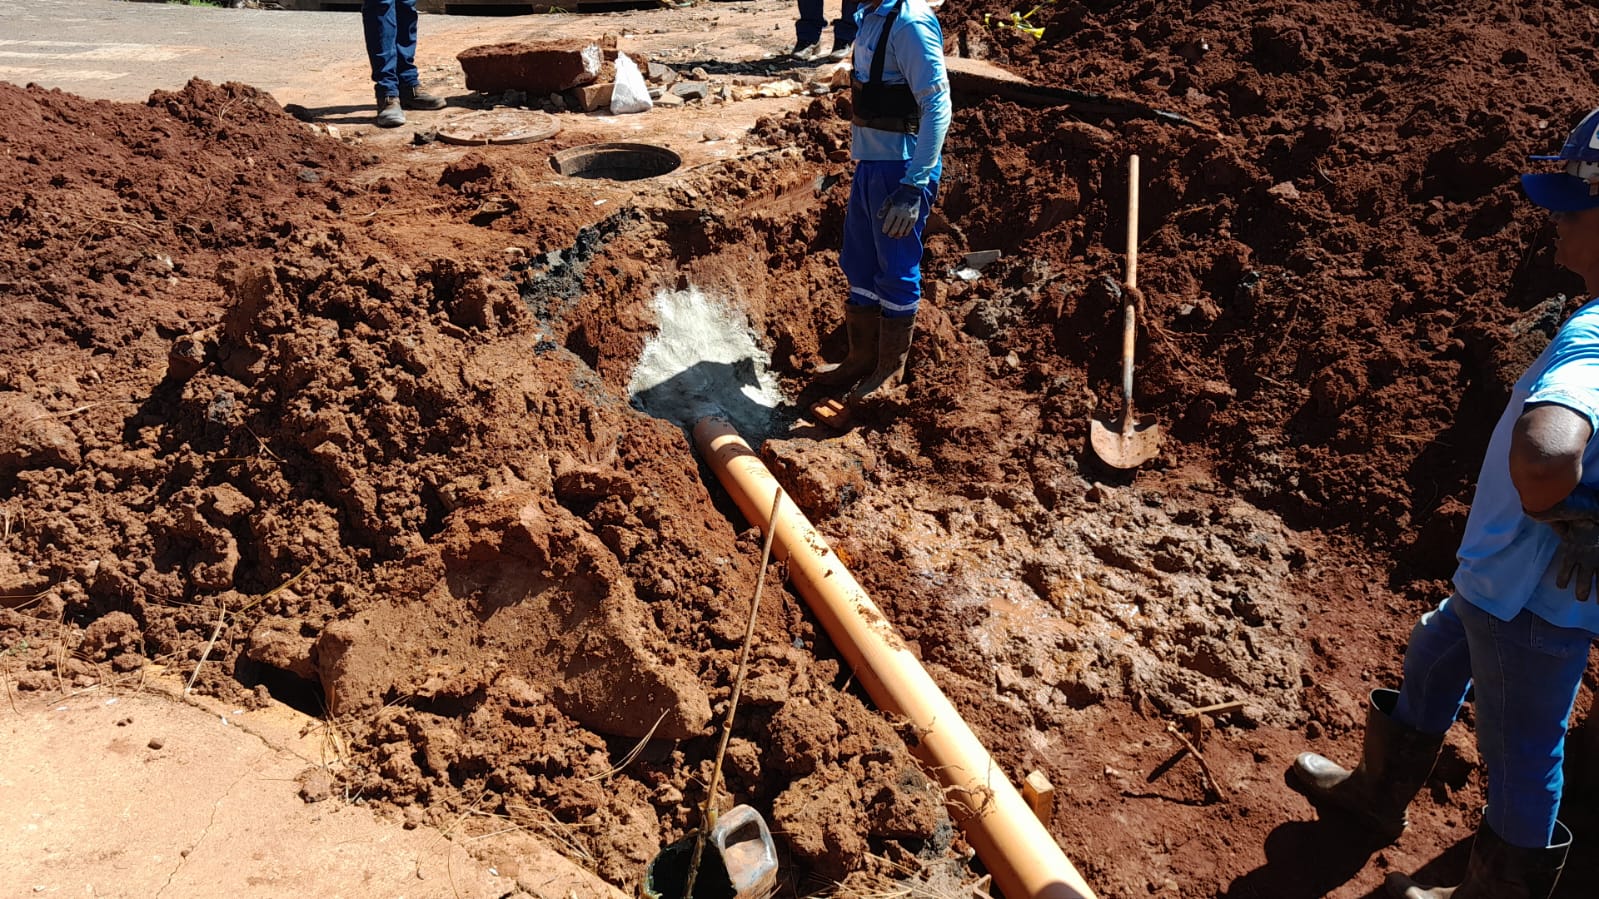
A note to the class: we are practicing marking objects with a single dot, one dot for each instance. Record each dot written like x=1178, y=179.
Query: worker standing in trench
x=900, y=114
x=1524, y=612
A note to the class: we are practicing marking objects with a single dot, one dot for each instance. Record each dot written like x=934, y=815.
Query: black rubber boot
x=1395, y=762
x=862, y=324
x=893, y=351
x=413, y=97
x=1497, y=870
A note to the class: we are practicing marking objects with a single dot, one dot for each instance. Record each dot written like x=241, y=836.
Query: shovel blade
x=1120, y=446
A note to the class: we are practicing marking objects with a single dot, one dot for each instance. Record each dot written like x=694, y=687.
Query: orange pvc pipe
x=1015, y=846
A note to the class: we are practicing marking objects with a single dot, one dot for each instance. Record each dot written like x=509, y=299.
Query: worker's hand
x=1577, y=560
x=1575, y=520
x=900, y=212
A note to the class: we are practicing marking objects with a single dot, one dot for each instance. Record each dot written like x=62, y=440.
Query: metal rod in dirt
x=708, y=818
x=1015, y=846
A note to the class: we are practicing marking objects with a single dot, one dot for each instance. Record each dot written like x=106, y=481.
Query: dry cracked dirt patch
x=371, y=412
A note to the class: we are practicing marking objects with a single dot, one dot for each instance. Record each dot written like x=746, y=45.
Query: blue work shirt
x=915, y=57
x=1507, y=559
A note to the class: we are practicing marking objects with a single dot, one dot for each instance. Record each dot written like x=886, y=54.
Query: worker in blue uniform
x=1517, y=629
x=900, y=113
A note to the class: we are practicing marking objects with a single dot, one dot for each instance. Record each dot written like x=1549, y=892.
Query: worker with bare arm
x=390, y=30
x=1524, y=611
x=900, y=113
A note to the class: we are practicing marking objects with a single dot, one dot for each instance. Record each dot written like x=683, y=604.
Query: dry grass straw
x=891, y=880
x=222, y=620
x=633, y=754
x=708, y=818
x=542, y=823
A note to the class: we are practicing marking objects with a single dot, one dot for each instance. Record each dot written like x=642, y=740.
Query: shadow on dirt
x=1309, y=859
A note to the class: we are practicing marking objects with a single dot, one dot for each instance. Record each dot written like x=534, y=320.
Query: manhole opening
x=616, y=162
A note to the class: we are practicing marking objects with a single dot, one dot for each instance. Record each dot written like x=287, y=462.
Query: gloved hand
x=1577, y=560
x=1575, y=520
x=900, y=212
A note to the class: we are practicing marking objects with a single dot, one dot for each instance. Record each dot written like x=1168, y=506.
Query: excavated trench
x=431, y=469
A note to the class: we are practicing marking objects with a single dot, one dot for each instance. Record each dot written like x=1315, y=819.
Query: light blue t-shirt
x=1506, y=558
x=915, y=57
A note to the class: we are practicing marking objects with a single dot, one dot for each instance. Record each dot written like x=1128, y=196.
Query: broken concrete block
x=590, y=97
x=543, y=67
x=662, y=74
x=692, y=90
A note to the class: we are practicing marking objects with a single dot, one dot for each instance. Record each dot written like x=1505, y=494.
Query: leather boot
x=893, y=351
x=1395, y=762
x=390, y=115
x=1497, y=870
x=414, y=97
x=862, y=324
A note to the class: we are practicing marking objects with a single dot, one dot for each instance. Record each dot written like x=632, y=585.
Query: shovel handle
x=1130, y=315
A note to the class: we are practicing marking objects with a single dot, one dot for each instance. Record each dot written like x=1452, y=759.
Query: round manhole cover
x=499, y=126
x=616, y=162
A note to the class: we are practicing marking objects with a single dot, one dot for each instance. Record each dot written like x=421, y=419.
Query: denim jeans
x=882, y=271
x=1525, y=672
x=390, y=27
x=808, y=29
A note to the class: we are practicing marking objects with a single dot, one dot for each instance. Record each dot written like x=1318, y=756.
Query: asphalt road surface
x=114, y=50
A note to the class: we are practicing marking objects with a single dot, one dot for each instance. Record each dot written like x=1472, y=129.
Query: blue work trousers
x=808, y=28
x=1525, y=673
x=882, y=271
x=390, y=27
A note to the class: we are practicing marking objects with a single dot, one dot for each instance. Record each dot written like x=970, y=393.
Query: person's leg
x=808, y=27
x=1527, y=672
x=1404, y=730
x=378, y=25
x=899, y=259
x=862, y=321
x=844, y=25
x=1437, y=670
x=405, y=42
x=898, y=284
x=858, y=256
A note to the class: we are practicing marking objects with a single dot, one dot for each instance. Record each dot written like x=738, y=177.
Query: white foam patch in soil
x=704, y=360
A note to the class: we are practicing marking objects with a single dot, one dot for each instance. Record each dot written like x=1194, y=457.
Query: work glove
x=1577, y=560
x=1575, y=520
x=900, y=212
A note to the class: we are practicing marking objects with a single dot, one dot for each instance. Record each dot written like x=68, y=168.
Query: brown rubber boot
x=1395, y=762
x=1497, y=870
x=862, y=324
x=893, y=351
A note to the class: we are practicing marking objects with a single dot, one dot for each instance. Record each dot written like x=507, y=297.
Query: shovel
x=1134, y=440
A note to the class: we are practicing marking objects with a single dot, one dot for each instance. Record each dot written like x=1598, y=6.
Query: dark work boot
x=1394, y=764
x=893, y=351
x=861, y=323
x=414, y=97
x=390, y=115
x=1497, y=870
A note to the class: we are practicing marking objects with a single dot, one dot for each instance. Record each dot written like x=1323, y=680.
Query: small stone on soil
x=316, y=785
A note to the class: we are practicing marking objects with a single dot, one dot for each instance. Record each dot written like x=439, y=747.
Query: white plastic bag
x=630, y=94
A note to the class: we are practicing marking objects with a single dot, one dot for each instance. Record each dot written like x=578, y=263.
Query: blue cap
x=1577, y=188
